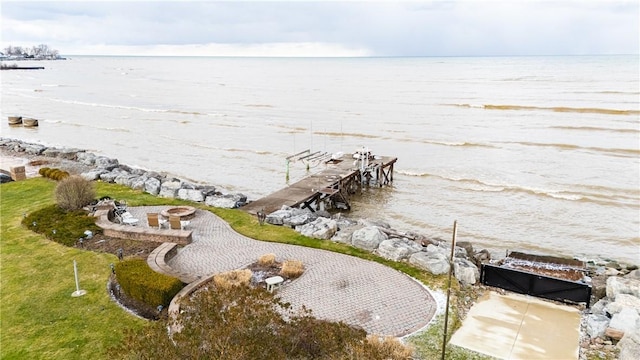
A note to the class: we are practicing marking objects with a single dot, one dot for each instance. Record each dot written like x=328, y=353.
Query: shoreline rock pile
x=379, y=238
x=613, y=322
x=101, y=168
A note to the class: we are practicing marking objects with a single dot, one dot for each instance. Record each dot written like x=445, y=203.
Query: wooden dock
x=332, y=187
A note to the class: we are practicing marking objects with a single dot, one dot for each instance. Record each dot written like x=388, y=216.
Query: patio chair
x=128, y=219
x=120, y=207
x=174, y=222
x=153, y=220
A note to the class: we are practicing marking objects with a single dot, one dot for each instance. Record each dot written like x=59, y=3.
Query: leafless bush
x=233, y=278
x=292, y=269
x=74, y=192
x=375, y=347
x=267, y=259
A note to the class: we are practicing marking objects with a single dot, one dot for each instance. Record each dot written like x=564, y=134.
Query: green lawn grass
x=38, y=317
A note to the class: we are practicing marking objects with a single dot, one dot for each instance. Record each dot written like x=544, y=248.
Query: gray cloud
x=384, y=28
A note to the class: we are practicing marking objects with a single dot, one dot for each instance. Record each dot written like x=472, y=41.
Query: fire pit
x=184, y=212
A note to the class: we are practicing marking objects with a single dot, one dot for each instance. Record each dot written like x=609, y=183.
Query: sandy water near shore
x=7, y=162
x=33, y=163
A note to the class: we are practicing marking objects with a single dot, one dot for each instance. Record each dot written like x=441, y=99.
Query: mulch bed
x=130, y=248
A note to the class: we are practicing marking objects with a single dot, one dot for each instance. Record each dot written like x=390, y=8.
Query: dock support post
x=287, y=176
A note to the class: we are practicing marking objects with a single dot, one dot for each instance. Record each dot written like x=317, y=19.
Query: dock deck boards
x=312, y=185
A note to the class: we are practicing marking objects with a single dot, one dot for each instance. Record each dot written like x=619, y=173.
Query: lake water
x=535, y=154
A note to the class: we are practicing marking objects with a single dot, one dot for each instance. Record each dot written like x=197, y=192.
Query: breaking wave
x=601, y=195
x=609, y=151
x=425, y=141
x=550, y=108
x=219, y=148
x=593, y=128
x=358, y=135
x=123, y=107
x=259, y=105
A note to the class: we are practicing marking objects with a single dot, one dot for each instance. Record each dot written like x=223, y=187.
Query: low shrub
x=53, y=174
x=62, y=226
x=140, y=282
x=292, y=269
x=62, y=175
x=74, y=192
x=233, y=278
x=386, y=347
x=267, y=260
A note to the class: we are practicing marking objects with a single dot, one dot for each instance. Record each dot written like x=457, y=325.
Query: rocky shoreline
x=609, y=327
x=95, y=167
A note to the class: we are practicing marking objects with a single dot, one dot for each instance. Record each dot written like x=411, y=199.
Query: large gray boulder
x=625, y=320
x=152, y=186
x=125, y=179
x=623, y=301
x=291, y=216
x=34, y=149
x=86, y=158
x=207, y=190
x=398, y=249
x=633, y=274
x=320, y=228
x=465, y=271
x=368, y=238
x=169, y=189
x=228, y=201
x=445, y=249
x=599, y=306
x=344, y=233
x=305, y=217
x=596, y=325
x=622, y=285
x=468, y=247
x=112, y=175
x=434, y=262
x=94, y=174
x=68, y=154
x=629, y=345
x=191, y=194
x=277, y=217
x=50, y=152
x=104, y=162
x=138, y=182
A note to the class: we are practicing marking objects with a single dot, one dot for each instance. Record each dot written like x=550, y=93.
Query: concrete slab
x=515, y=326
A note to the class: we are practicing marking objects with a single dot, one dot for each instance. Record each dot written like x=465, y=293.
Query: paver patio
x=334, y=286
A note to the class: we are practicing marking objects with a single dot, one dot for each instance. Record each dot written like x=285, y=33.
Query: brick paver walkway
x=334, y=286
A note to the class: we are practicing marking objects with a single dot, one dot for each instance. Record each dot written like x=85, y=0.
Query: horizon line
x=347, y=57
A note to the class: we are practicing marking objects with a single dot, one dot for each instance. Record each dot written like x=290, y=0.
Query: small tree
x=74, y=192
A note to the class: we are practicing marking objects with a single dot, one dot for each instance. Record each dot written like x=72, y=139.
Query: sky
x=325, y=28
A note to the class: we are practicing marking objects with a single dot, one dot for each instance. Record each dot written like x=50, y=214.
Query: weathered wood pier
x=332, y=187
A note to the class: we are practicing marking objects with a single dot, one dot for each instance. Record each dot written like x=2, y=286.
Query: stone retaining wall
x=180, y=237
x=159, y=258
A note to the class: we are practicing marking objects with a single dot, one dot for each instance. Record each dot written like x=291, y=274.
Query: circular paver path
x=334, y=286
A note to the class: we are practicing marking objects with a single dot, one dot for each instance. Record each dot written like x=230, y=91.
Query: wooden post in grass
x=446, y=309
x=78, y=292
